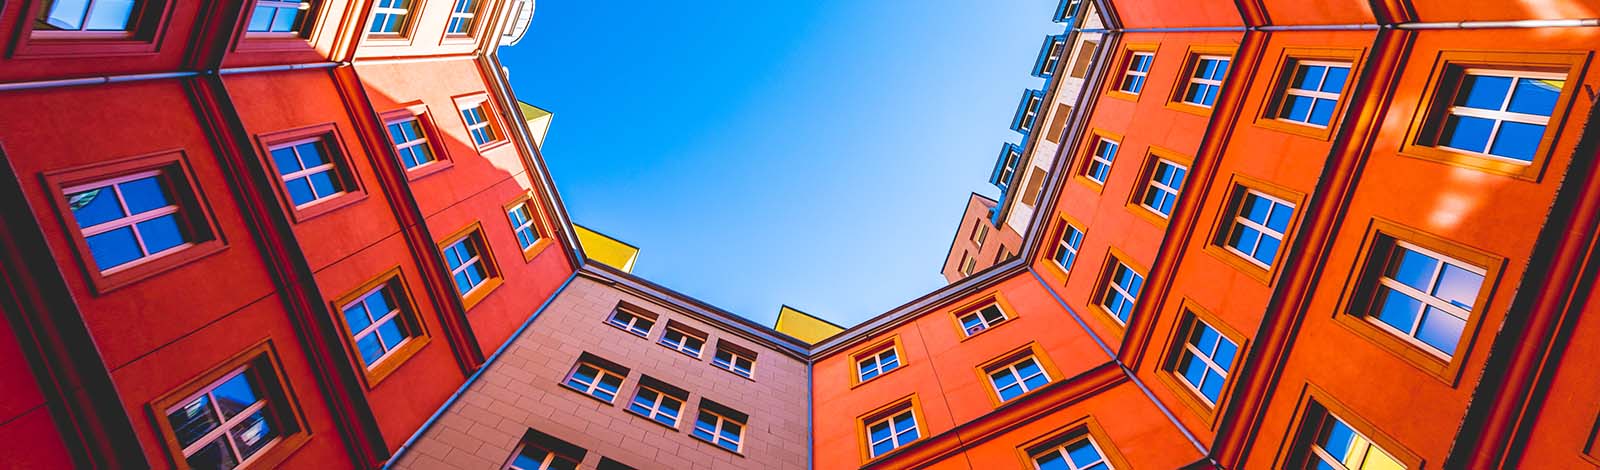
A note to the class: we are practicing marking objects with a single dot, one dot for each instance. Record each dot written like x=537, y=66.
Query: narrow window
x=980, y=232
x=1138, y=70
x=736, y=360
x=1067, y=247
x=977, y=321
x=523, y=224
x=1422, y=296
x=478, y=124
x=658, y=402
x=1016, y=378
x=88, y=15
x=1028, y=111
x=969, y=265
x=631, y=322
x=1005, y=166
x=539, y=451
x=277, y=16
x=878, y=362
x=128, y=220
x=1206, y=80
x=379, y=322
x=1079, y=453
x=1204, y=359
x=390, y=17
x=1099, y=165
x=1500, y=113
x=1122, y=289
x=1161, y=192
x=892, y=431
x=411, y=142
x=592, y=378
x=1313, y=91
x=1331, y=443
x=1080, y=63
x=681, y=339
x=720, y=425
x=308, y=171
x=1258, y=227
x=1049, y=56
x=461, y=18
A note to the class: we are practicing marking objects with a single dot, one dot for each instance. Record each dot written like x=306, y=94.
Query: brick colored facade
x=978, y=243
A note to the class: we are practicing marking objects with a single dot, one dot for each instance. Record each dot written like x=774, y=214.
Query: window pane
x=252, y=434
x=1396, y=309
x=1051, y=461
x=144, y=194
x=114, y=248
x=286, y=161
x=391, y=333
x=285, y=20
x=1517, y=140
x=1335, y=81
x=95, y=206
x=1484, y=92
x=1441, y=330
x=324, y=184
x=161, y=233
x=214, y=455
x=1322, y=112
x=193, y=420
x=109, y=15
x=1458, y=286
x=260, y=18
x=371, y=349
x=1083, y=453
x=235, y=395
x=1308, y=77
x=356, y=317
x=300, y=191
x=1536, y=96
x=1413, y=269
x=66, y=14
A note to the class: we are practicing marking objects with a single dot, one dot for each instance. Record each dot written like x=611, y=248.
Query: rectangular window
x=892, y=430
x=636, y=323
x=1016, y=378
x=479, y=124
x=1098, y=168
x=1049, y=56
x=1204, y=359
x=461, y=18
x=411, y=142
x=1422, y=296
x=1027, y=111
x=1312, y=94
x=596, y=378
x=968, y=265
x=1206, y=80
x=89, y=15
x=1258, y=228
x=129, y=220
x=238, y=416
x=877, y=362
x=309, y=171
x=539, y=451
x=1500, y=113
x=1066, y=249
x=980, y=232
x=524, y=225
x=720, y=425
x=1005, y=165
x=1328, y=442
x=1078, y=453
x=380, y=321
x=1161, y=191
x=1121, y=290
x=734, y=359
x=683, y=339
x=390, y=17
x=1137, y=72
x=277, y=16
x=465, y=259
x=981, y=319
x=1080, y=63
x=658, y=402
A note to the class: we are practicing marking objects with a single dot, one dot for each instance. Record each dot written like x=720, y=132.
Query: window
x=390, y=17
x=596, y=379
x=88, y=15
x=411, y=142
x=1204, y=359
x=379, y=323
x=631, y=322
x=1014, y=379
x=540, y=451
x=524, y=225
x=892, y=431
x=1049, y=56
x=277, y=16
x=237, y=416
x=1422, y=296
x=1161, y=192
x=1501, y=113
x=720, y=425
x=736, y=360
x=1005, y=166
x=980, y=231
x=1205, y=81
x=1079, y=453
x=1312, y=94
x=608, y=464
x=477, y=119
x=968, y=264
x=1058, y=123
x=1066, y=11
x=1027, y=111
x=878, y=362
x=1330, y=443
x=309, y=172
x=658, y=402
x=1066, y=250
x=681, y=339
x=1121, y=290
x=129, y=220
x=1098, y=167
x=1137, y=72
x=1080, y=62
x=977, y=321
x=1034, y=188
x=1258, y=228
x=461, y=18
x=471, y=265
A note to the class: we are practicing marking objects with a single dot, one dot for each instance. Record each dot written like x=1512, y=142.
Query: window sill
x=478, y=294
x=388, y=365
x=537, y=248
x=491, y=145
x=859, y=382
x=1265, y=276
x=1191, y=108
x=1123, y=95
x=104, y=283
x=323, y=206
x=428, y=169
x=713, y=444
x=1139, y=210
x=1530, y=171
x=1310, y=131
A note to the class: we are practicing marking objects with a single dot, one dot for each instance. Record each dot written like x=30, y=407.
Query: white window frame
x=716, y=430
x=1240, y=219
x=1156, y=185
x=226, y=424
x=468, y=18
x=1066, y=245
x=1360, y=445
x=1317, y=94
x=1113, y=286
x=1500, y=116
x=476, y=262
x=894, y=431
x=1030, y=114
x=1104, y=159
x=1016, y=373
x=403, y=12
x=878, y=359
x=546, y=463
x=530, y=224
x=599, y=377
x=655, y=406
x=393, y=315
x=131, y=220
x=1132, y=71
x=484, y=123
x=632, y=325
x=1427, y=300
x=682, y=345
x=414, y=123
x=984, y=324
x=731, y=364
x=1053, y=55
x=980, y=232
x=969, y=265
x=278, y=7
x=1067, y=458
x=1197, y=81
x=1210, y=362
x=332, y=167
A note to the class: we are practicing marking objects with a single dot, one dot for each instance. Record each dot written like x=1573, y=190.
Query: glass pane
x=371, y=349
x=161, y=233
x=1083, y=453
x=904, y=421
x=252, y=434
x=1255, y=208
x=1212, y=387
x=1458, y=286
x=260, y=19
x=311, y=154
x=114, y=248
x=1308, y=77
x=65, y=14
x=286, y=20
x=1322, y=112
x=1517, y=140
x=300, y=191
x=193, y=420
x=1204, y=338
x=1335, y=81
x=882, y=447
x=1191, y=369
x=391, y=333
x=1441, y=330
x=1267, y=251
x=216, y=455
x=109, y=15
x=1412, y=268
x=1535, y=96
x=285, y=160
x=324, y=184
x=1279, y=219
x=1244, y=238
x=1484, y=92
x=1396, y=309
x=235, y=395
x=144, y=194
x=1296, y=108
x=1225, y=352
x=356, y=317
x=1335, y=437
x=95, y=206
x=1051, y=461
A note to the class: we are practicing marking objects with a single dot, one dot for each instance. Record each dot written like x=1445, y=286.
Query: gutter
x=141, y=77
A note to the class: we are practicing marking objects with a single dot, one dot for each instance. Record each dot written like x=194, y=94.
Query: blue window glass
x=522, y=225
x=478, y=125
x=84, y=15
x=1018, y=378
x=1138, y=70
x=1099, y=165
x=461, y=16
x=1425, y=296
x=275, y=16
x=1166, y=179
x=1257, y=231
x=307, y=172
x=1122, y=291
x=127, y=219
x=655, y=405
x=595, y=381
x=723, y=431
x=377, y=323
x=1503, y=114
x=877, y=364
x=466, y=266
x=1077, y=454
x=1205, y=359
x=892, y=432
x=225, y=423
x=410, y=142
x=389, y=16
x=1313, y=92
x=1206, y=80
x=1067, y=248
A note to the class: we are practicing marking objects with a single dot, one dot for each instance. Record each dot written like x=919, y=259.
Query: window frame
x=1088, y=157
x=401, y=37
x=980, y=233
x=737, y=352
x=724, y=415
x=187, y=194
x=536, y=221
x=1011, y=358
x=147, y=25
x=287, y=413
x=1153, y=158
x=1081, y=428
x=491, y=121
x=1381, y=235
x=1287, y=64
x=1175, y=344
x=310, y=30
x=430, y=137
x=1428, y=118
x=1105, y=282
x=864, y=422
x=1057, y=235
x=1051, y=53
x=1124, y=65
x=1029, y=110
x=492, y=278
x=1217, y=246
x=1313, y=401
x=1192, y=59
x=875, y=351
x=338, y=156
x=969, y=264
x=603, y=369
x=663, y=392
x=976, y=306
x=409, y=314
x=638, y=314
x=473, y=20
x=687, y=332
x=554, y=449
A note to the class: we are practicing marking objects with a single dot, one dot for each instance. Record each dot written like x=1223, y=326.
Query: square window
x=1205, y=80
x=878, y=360
x=1137, y=71
x=308, y=171
x=241, y=415
x=1066, y=249
x=1329, y=442
x=739, y=361
x=596, y=378
x=1259, y=224
x=480, y=125
x=525, y=224
x=471, y=265
x=1015, y=378
x=462, y=18
x=1077, y=453
x=630, y=321
x=380, y=322
x=683, y=339
x=410, y=141
x=1121, y=289
x=720, y=425
x=1203, y=359
x=1098, y=166
x=981, y=319
x=1162, y=187
x=1421, y=296
x=891, y=430
x=1311, y=94
x=658, y=402
x=539, y=451
x=278, y=17
x=391, y=17
x=1494, y=111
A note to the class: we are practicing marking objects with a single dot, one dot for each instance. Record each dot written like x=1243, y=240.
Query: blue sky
x=813, y=153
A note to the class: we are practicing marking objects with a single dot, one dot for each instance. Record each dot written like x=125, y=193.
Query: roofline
x=824, y=320
x=608, y=236
x=722, y=318
x=914, y=309
x=957, y=236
